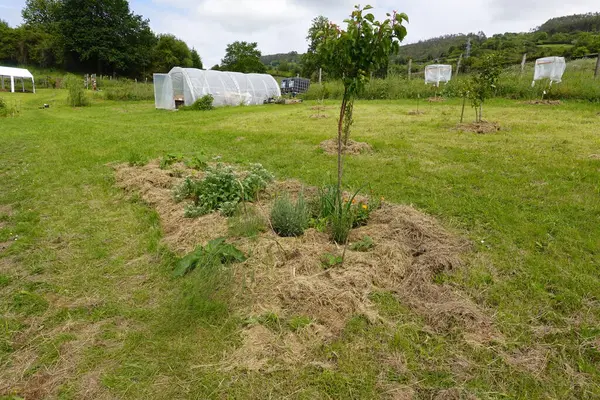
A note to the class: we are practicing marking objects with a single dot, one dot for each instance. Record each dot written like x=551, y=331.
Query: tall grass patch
x=76, y=93
x=129, y=91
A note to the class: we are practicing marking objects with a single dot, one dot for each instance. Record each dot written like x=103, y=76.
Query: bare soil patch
x=436, y=99
x=319, y=116
x=415, y=112
x=5, y=245
x=480, y=127
x=286, y=277
x=330, y=147
x=544, y=102
x=594, y=156
x=6, y=209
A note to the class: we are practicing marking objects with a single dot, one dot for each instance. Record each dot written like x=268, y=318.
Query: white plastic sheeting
x=437, y=73
x=163, y=92
x=12, y=73
x=227, y=88
x=551, y=68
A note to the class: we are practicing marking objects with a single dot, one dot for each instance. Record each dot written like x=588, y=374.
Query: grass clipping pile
x=330, y=147
x=285, y=277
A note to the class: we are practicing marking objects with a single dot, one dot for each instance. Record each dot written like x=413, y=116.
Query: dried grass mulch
x=480, y=127
x=330, y=147
x=544, y=102
x=285, y=276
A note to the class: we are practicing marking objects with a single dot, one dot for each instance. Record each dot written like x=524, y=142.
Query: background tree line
x=101, y=36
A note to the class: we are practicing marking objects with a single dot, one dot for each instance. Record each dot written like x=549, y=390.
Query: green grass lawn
x=89, y=307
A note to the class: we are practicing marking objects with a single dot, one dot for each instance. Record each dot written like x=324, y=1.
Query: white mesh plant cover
x=227, y=88
x=163, y=92
x=437, y=73
x=551, y=68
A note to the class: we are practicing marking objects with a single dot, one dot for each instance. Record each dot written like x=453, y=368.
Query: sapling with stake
x=352, y=55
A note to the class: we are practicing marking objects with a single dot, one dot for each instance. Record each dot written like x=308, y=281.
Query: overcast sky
x=280, y=25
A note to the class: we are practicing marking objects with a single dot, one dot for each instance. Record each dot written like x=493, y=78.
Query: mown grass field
x=89, y=307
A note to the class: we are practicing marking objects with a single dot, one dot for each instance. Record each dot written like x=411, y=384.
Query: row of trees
x=90, y=35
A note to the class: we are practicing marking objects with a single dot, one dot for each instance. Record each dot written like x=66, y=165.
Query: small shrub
x=246, y=222
x=256, y=181
x=204, y=103
x=185, y=190
x=364, y=245
x=222, y=188
x=288, y=218
x=216, y=252
x=76, y=96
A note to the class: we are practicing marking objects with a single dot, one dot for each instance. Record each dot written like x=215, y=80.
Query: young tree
x=310, y=60
x=352, y=55
x=483, y=82
x=243, y=57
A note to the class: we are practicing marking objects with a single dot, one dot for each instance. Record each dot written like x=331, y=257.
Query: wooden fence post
x=409, y=68
x=597, y=71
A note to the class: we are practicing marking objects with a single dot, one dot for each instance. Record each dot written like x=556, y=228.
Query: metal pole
x=409, y=68
x=320, y=75
x=523, y=63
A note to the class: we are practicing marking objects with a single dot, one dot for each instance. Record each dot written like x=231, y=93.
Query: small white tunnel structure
x=551, y=68
x=227, y=88
x=9, y=76
x=437, y=73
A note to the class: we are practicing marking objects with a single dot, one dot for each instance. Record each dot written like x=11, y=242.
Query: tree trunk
x=340, y=132
x=462, y=114
x=348, y=120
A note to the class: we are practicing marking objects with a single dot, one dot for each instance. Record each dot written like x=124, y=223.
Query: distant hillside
x=572, y=23
x=442, y=47
x=276, y=59
x=572, y=36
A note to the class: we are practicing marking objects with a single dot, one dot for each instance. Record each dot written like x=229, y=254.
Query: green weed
x=216, y=252
x=363, y=245
x=246, y=222
x=331, y=260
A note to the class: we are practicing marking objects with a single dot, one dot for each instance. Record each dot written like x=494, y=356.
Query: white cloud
x=281, y=25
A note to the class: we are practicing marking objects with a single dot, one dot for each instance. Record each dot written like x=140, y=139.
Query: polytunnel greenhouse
x=186, y=85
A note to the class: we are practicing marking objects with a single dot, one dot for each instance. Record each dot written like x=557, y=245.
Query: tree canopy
x=95, y=36
x=242, y=57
